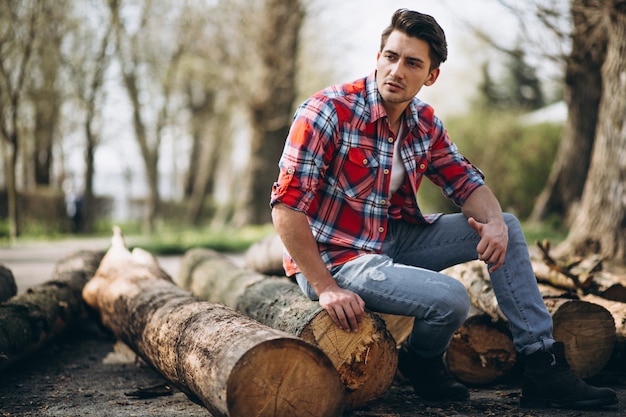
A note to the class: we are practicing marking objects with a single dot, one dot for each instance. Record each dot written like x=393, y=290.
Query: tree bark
x=234, y=365
x=583, y=87
x=30, y=320
x=587, y=329
x=366, y=361
x=599, y=226
x=270, y=104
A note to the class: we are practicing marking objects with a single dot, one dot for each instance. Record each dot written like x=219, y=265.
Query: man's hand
x=494, y=239
x=344, y=307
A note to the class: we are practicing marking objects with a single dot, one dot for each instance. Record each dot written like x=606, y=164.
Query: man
x=345, y=208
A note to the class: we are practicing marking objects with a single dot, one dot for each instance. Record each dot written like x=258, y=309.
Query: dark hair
x=421, y=26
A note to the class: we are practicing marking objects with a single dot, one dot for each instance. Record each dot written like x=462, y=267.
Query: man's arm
x=344, y=307
x=485, y=216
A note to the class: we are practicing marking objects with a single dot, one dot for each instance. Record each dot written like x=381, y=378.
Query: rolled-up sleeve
x=450, y=170
x=305, y=156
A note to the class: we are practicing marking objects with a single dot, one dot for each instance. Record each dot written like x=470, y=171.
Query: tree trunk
x=481, y=351
x=366, y=361
x=599, y=226
x=587, y=329
x=234, y=365
x=271, y=105
x=583, y=87
x=29, y=320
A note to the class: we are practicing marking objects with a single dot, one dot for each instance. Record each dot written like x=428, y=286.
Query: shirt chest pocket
x=357, y=176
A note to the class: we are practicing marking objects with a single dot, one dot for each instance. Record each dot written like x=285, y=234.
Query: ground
x=86, y=373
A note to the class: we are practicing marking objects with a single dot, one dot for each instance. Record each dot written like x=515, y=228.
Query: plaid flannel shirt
x=336, y=168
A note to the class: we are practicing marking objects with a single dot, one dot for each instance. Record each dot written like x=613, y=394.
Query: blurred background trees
x=162, y=112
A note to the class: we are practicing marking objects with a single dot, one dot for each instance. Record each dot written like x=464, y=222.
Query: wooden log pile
x=232, y=364
x=587, y=305
x=366, y=361
x=30, y=320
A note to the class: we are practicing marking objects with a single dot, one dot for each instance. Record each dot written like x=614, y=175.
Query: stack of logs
x=244, y=340
x=587, y=305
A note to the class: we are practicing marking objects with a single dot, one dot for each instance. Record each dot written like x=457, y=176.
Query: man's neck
x=394, y=114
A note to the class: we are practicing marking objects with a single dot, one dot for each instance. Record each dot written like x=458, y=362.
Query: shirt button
x=365, y=162
x=390, y=140
x=381, y=229
x=422, y=166
x=383, y=202
x=386, y=171
x=290, y=170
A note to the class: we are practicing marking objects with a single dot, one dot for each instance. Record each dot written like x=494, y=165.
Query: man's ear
x=432, y=77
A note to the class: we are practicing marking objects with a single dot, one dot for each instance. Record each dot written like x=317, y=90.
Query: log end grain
x=480, y=352
x=366, y=360
x=588, y=332
x=400, y=327
x=284, y=377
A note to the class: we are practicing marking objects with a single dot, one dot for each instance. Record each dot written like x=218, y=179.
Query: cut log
x=366, y=361
x=400, y=327
x=234, y=365
x=587, y=329
x=266, y=256
x=30, y=320
x=481, y=351
x=8, y=288
x=582, y=275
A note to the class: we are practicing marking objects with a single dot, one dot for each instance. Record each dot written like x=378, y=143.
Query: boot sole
x=533, y=402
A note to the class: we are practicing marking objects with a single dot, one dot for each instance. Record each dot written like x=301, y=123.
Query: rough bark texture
x=587, y=329
x=599, y=226
x=234, y=365
x=30, y=320
x=583, y=87
x=366, y=361
x=8, y=288
x=481, y=351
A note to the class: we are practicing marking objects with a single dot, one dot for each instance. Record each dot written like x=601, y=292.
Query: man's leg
x=548, y=379
x=438, y=302
x=451, y=241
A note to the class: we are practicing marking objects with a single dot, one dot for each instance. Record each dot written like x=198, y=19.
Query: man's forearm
x=483, y=206
x=294, y=231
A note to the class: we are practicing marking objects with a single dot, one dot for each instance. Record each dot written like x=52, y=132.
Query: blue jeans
x=404, y=280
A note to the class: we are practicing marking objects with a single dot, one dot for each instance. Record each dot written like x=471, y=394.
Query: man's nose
x=396, y=69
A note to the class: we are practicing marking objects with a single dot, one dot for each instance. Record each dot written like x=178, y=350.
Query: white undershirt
x=397, y=169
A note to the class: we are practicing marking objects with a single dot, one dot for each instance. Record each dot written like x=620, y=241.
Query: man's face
x=403, y=67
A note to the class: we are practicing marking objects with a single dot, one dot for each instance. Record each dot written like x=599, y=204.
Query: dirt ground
x=86, y=373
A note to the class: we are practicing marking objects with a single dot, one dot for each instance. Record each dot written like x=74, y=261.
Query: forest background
x=166, y=115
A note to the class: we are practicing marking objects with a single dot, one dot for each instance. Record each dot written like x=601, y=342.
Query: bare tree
x=88, y=58
x=18, y=35
x=599, y=225
x=45, y=91
x=149, y=65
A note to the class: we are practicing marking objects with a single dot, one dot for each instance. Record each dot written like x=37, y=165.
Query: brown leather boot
x=430, y=377
x=549, y=382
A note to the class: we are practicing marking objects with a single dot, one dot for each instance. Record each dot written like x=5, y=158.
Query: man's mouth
x=394, y=85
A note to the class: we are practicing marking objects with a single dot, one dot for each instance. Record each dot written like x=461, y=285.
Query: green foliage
x=515, y=159
x=176, y=241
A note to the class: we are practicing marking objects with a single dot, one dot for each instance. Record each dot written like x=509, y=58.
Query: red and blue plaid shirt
x=336, y=168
